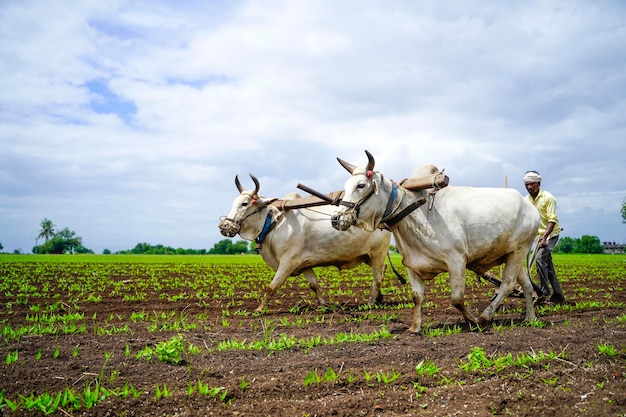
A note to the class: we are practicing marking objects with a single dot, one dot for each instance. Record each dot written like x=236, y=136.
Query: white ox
x=473, y=228
x=296, y=240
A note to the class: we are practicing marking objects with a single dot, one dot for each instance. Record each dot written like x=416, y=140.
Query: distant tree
x=64, y=241
x=148, y=249
x=141, y=248
x=1, y=247
x=106, y=252
x=240, y=246
x=624, y=210
x=221, y=247
x=227, y=247
x=588, y=244
x=47, y=230
x=566, y=245
x=82, y=249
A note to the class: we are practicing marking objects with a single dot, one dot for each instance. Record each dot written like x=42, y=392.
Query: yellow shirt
x=546, y=204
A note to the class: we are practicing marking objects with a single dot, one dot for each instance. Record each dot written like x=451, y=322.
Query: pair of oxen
x=448, y=229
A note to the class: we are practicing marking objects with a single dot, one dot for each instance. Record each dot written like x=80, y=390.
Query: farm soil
x=583, y=382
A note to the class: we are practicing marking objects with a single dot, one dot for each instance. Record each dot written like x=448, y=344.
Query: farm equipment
x=435, y=181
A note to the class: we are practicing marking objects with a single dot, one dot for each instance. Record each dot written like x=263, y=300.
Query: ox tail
x=400, y=277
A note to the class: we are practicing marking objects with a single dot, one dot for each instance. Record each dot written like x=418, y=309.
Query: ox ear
x=349, y=167
x=264, y=201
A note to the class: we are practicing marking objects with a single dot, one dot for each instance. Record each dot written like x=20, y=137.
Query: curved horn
x=256, y=184
x=370, y=161
x=238, y=184
x=349, y=167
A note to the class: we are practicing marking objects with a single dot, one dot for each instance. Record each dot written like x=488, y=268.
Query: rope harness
x=233, y=226
x=391, y=216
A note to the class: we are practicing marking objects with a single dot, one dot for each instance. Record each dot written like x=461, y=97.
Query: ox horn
x=349, y=167
x=256, y=184
x=254, y=179
x=238, y=184
x=370, y=161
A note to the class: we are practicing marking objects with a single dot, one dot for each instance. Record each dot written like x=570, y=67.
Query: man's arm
x=544, y=239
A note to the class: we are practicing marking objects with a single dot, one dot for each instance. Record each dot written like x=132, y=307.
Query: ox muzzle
x=229, y=227
x=343, y=221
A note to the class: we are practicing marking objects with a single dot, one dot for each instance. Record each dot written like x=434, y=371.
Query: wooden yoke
x=305, y=202
x=438, y=180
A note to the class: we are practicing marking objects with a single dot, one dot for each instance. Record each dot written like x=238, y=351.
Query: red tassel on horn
x=369, y=174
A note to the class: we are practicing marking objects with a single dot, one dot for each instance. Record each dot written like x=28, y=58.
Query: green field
x=170, y=332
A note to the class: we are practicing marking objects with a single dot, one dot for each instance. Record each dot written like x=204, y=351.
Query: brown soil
x=584, y=382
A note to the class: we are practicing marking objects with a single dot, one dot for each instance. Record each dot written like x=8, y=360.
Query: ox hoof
x=532, y=319
x=483, y=320
x=413, y=330
x=373, y=301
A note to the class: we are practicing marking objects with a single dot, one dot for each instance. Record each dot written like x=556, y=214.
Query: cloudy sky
x=127, y=121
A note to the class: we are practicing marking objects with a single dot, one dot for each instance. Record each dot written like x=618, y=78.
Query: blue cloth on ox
x=266, y=229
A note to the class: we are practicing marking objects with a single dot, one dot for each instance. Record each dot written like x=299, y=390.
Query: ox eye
x=244, y=204
x=360, y=185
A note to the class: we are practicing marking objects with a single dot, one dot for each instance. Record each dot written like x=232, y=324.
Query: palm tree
x=47, y=229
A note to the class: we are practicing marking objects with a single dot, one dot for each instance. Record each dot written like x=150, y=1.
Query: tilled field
x=178, y=338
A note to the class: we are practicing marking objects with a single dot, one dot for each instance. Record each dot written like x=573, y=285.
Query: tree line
x=225, y=246
x=66, y=241
x=584, y=244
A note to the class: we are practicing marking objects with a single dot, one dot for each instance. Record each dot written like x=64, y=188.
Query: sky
x=127, y=121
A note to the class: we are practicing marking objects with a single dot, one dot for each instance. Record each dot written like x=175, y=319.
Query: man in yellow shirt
x=548, y=234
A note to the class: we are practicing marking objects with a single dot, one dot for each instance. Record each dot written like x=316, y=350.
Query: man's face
x=532, y=187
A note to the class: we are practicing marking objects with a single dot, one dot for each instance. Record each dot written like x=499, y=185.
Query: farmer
x=548, y=235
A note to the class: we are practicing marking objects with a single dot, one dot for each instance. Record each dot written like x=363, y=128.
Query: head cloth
x=532, y=176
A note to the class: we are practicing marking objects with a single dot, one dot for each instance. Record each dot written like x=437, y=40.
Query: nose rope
x=353, y=208
x=239, y=222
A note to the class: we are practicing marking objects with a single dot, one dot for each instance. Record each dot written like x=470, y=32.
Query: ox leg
x=509, y=277
x=378, y=272
x=270, y=290
x=417, y=290
x=312, y=279
x=457, y=286
x=527, y=286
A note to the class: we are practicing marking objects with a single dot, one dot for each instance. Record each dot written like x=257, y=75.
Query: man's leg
x=557, y=292
x=543, y=261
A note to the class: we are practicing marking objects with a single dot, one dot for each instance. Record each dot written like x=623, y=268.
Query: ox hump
x=425, y=170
